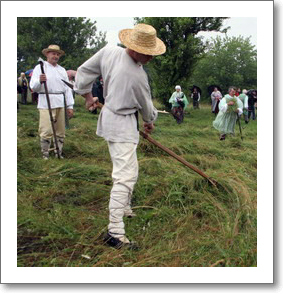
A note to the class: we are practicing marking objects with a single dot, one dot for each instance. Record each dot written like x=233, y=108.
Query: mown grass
x=181, y=219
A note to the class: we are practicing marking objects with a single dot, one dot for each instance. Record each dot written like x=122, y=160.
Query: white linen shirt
x=126, y=90
x=54, y=74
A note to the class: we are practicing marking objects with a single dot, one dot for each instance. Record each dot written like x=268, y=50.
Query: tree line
x=77, y=37
x=188, y=60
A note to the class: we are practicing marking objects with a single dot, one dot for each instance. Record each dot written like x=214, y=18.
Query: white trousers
x=124, y=176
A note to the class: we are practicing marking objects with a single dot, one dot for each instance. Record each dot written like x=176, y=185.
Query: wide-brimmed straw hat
x=55, y=48
x=142, y=39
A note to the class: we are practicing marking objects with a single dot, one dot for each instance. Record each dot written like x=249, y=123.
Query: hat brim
x=45, y=51
x=124, y=37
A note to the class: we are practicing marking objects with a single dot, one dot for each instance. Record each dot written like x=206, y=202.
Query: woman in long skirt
x=230, y=107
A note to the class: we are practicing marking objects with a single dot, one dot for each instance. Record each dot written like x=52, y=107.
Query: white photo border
x=263, y=11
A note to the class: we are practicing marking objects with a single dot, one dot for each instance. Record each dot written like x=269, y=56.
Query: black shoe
x=117, y=244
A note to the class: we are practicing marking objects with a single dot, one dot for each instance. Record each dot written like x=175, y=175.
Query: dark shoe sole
x=117, y=244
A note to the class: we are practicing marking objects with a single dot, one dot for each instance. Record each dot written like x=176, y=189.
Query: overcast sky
x=240, y=26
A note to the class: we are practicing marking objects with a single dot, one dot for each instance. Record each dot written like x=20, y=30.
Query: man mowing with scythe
x=126, y=91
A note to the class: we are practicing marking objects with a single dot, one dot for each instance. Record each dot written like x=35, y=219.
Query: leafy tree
x=77, y=36
x=184, y=48
x=231, y=61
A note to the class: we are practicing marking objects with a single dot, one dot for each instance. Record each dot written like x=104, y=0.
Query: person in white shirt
x=216, y=97
x=244, y=98
x=59, y=95
x=126, y=91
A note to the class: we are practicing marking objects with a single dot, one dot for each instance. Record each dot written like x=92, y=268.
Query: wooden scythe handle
x=177, y=157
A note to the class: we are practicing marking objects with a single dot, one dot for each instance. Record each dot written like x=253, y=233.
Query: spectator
x=196, y=98
x=244, y=98
x=179, y=103
x=23, y=83
x=252, y=99
x=216, y=97
x=238, y=92
x=97, y=91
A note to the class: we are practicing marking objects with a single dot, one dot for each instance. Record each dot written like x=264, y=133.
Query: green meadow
x=182, y=220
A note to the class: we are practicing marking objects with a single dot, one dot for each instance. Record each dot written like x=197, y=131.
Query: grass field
x=182, y=221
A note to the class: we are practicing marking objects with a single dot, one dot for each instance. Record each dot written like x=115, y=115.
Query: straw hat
x=142, y=39
x=55, y=48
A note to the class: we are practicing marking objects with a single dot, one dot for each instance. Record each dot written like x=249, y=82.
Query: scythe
x=167, y=150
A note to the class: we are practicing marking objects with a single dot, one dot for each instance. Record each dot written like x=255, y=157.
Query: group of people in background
x=227, y=109
x=220, y=106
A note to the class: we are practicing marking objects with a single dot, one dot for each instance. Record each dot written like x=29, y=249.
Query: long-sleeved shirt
x=198, y=95
x=126, y=90
x=244, y=99
x=55, y=86
x=216, y=94
x=215, y=97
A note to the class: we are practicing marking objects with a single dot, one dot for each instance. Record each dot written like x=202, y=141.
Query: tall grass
x=181, y=219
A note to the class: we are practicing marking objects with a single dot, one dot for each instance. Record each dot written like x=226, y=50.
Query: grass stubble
x=182, y=221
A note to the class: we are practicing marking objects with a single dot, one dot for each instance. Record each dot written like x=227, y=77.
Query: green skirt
x=225, y=122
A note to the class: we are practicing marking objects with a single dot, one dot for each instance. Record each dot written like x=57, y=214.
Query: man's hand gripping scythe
x=91, y=102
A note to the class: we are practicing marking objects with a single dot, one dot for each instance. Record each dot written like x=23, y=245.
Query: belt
x=136, y=113
x=52, y=93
